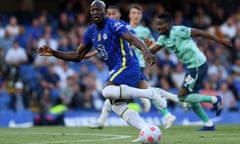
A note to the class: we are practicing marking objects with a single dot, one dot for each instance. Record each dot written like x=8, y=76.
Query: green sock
x=164, y=111
x=197, y=108
x=198, y=98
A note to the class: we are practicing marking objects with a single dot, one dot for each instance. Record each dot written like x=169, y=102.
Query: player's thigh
x=108, y=83
x=202, y=72
x=130, y=76
x=194, y=77
x=143, y=83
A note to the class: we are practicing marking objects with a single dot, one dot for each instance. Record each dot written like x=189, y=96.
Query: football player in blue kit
x=113, y=12
x=111, y=38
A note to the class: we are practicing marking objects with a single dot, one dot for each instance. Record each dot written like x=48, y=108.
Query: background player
x=178, y=40
x=110, y=38
x=142, y=32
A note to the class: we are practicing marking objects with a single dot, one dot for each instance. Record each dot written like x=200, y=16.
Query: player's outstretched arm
x=140, y=45
x=197, y=32
x=76, y=56
x=90, y=54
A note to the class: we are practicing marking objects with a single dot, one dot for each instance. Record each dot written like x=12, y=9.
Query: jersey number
x=102, y=51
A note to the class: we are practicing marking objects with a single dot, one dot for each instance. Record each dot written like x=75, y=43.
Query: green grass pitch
x=225, y=134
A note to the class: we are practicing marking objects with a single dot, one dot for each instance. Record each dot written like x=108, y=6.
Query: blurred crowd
x=37, y=83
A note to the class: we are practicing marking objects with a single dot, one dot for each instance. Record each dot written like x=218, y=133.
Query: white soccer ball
x=150, y=134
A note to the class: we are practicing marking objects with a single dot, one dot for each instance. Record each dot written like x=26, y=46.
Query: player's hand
x=226, y=42
x=150, y=58
x=45, y=51
x=147, y=42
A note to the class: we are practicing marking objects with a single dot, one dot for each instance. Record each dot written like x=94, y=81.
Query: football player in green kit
x=178, y=40
x=144, y=33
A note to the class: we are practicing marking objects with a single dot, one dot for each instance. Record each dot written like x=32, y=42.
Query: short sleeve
x=87, y=37
x=118, y=28
x=183, y=31
x=149, y=35
x=130, y=29
x=160, y=41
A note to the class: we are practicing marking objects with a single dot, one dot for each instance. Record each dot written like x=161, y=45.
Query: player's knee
x=119, y=108
x=182, y=98
x=112, y=92
x=182, y=95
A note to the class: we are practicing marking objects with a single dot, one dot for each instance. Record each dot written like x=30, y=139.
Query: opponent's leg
x=168, y=117
x=194, y=101
x=198, y=98
x=192, y=83
x=207, y=124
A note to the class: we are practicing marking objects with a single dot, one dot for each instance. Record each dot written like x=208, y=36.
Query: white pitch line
x=114, y=137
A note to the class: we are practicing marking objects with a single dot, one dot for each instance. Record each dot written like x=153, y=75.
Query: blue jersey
x=115, y=51
x=108, y=40
x=133, y=32
x=128, y=27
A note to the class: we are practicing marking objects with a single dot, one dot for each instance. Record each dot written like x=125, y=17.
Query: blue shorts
x=194, y=78
x=130, y=76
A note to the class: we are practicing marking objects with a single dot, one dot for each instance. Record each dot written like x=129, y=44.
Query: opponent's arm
x=149, y=40
x=197, y=32
x=149, y=43
x=155, y=48
x=140, y=45
x=76, y=56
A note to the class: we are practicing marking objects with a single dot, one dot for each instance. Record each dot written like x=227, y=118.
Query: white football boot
x=168, y=120
x=159, y=98
x=96, y=125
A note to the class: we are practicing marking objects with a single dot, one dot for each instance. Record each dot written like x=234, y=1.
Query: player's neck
x=101, y=24
x=168, y=32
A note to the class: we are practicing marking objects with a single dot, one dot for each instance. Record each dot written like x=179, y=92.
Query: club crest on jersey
x=99, y=37
x=105, y=36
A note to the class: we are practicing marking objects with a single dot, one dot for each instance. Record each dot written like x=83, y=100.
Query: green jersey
x=142, y=33
x=180, y=42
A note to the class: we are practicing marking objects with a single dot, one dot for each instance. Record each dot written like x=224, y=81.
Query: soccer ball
x=150, y=134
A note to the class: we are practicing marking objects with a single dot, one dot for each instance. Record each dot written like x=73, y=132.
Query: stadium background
x=45, y=91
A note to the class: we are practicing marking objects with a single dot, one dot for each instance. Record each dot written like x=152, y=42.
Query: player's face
x=135, y=15
x=162, y=26
x=113, y=13
x=97, y=13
